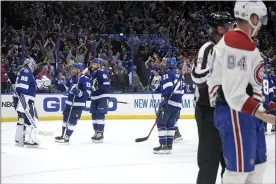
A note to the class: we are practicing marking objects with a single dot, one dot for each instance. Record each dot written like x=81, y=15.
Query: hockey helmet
x=30, y=62
x=267, y=66
x=78, y=66
x=222, y=19
x=171, y=63
x=245, y=9
x=98, y=61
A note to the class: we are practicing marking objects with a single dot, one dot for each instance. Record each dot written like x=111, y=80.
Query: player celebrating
x=79, y=89
x=268, y=92
x=169, y=107
x=238, y=69
x=24, y=97
x=99, y=98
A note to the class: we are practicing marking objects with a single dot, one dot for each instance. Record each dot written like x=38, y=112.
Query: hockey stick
x=119, y=101
x=162, y=110
x=152, y=95
x=71, y=108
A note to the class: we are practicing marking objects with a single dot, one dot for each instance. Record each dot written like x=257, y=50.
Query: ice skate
x=162, y=149
x=94, y=136
x=99, y=138
x=177, y=136
x=273, y=129
x=19, y=144
x=60, y=139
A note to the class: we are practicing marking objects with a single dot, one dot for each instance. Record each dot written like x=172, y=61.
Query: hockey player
x=177, y=136
x=169, y=107
x=99, y=99
x=268, y=92
x=238, y=67
x=79, y=89
x=24, y=97
x=209, y=153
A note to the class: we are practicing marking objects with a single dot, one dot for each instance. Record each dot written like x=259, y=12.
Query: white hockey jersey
x=237, y=64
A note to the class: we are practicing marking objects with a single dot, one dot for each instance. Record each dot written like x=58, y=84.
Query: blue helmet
x=78, y=66
x=267, y=66
x=98, y=61
x=171, y=63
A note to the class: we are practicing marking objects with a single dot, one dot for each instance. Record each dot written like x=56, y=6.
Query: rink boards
x=140, y=106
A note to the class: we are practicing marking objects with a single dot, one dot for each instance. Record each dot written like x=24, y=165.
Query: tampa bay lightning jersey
x=268, y=87
x=84, y=85
x=101, y=81
x=26, y=84
x=168, y=81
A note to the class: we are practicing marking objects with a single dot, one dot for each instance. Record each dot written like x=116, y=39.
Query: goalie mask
x=30, y=63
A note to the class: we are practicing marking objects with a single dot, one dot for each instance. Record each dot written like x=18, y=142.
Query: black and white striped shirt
x=200, y=73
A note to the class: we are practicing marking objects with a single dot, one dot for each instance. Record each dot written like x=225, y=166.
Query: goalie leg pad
x=31, y=136
x=31, y=111
x=19, y=133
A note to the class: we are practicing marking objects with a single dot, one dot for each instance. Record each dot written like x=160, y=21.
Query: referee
x=209, y=153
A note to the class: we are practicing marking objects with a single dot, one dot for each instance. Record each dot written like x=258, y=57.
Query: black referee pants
x=209, y=153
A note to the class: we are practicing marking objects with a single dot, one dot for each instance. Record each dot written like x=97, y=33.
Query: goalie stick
x=147, y=137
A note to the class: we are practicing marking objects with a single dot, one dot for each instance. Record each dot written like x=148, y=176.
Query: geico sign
x=55, y=104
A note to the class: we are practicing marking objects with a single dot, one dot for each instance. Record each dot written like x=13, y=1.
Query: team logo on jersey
x=259, y=73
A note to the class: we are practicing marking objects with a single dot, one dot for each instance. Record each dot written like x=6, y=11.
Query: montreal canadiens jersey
x=168, y=81
x=268, y=89
x=84, y=85
x=26, y=84
x=101, y=81
x=237, y=64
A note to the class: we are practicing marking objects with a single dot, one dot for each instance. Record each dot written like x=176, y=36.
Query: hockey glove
x=77, y=92
x=164, y=104
x=269, y=107
x=152, y=88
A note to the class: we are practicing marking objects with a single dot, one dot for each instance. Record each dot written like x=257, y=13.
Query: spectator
x=13, y=74
x=4, y=82
x=81, y=53
x=137, y=85
x=49, y=51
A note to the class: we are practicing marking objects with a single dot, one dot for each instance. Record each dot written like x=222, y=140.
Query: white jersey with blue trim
x=25, y=84
x=168, y=81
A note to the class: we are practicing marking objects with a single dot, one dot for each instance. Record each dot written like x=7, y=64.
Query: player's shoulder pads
x=239, y=40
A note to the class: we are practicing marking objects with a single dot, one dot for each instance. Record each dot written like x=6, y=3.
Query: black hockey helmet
x=222, y=19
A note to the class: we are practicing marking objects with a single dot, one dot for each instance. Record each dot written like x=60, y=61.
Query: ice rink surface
x=118, y=160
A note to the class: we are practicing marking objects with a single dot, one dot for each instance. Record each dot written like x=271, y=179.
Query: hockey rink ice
x=118, y=160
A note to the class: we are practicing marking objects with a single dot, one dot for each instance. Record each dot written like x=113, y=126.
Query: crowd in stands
x=133, y=38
